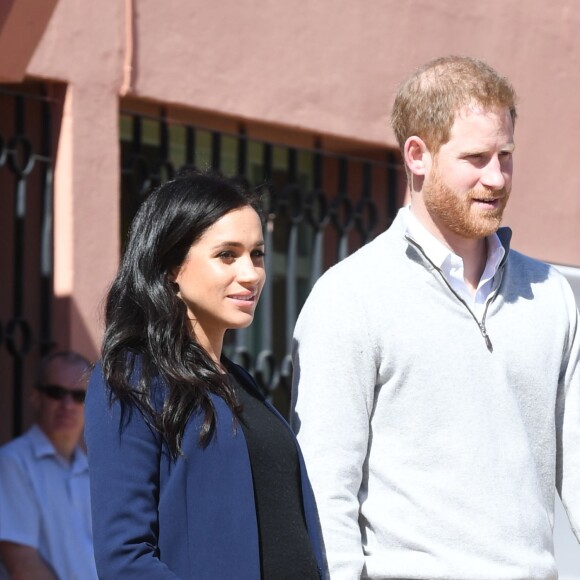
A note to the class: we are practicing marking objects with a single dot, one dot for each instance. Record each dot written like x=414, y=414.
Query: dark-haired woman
x=193, y=474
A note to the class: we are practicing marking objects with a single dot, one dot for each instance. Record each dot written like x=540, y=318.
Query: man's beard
x=457, y=212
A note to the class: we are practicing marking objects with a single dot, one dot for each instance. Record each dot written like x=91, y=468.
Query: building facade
x=99, y=101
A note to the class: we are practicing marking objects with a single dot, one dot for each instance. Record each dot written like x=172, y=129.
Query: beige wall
x=328, y=68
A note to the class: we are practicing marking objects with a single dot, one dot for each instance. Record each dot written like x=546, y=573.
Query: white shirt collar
x=495, y=254
x=43, y=447
x=451, y=264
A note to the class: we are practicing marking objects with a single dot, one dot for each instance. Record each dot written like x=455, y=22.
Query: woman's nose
x=250, y=272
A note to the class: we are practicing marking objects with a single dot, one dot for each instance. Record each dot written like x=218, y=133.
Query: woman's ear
x=417, y=156
x=173, y=274
x=172, y=278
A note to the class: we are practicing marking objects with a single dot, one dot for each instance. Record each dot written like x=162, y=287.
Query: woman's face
x=222, y=276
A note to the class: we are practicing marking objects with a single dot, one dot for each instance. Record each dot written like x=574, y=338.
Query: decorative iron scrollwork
x=18, y=337
x=21, y=156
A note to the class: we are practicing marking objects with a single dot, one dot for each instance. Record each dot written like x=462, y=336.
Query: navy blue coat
x=159, y=519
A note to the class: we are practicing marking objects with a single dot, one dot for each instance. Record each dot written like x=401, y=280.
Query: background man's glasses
x=59, y=393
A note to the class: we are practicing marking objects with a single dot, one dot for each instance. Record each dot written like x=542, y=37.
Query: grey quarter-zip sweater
x=434, y=441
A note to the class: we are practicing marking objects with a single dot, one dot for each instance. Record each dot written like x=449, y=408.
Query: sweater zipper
x=481, y=325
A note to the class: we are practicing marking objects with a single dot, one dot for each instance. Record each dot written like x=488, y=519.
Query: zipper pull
x=486, y=337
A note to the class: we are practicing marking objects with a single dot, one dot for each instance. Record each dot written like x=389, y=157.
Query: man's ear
x=417, y=156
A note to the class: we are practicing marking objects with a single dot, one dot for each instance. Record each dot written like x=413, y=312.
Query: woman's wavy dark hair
x=146, y=322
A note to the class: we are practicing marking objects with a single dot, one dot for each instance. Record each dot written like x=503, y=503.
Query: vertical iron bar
x=392, y=186
x=190, y=145
x=268, y=291
x=46, y=236
x=18, y=273
x=342, y=189
x=137, y=189
x=137, y=133
x=242, y=157
x=216, y=150
x=292, y=165
x=292, y=255
x=367, y=180
x=163, y=138
x=318, y=165
x=241, y=334
x=342, y=175
x=317, y=235
x=365, y=202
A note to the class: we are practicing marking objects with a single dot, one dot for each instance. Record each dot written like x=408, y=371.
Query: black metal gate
x=26, y=177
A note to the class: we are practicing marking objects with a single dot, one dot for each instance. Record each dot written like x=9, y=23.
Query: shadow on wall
x=71, y=330
x=22, y=25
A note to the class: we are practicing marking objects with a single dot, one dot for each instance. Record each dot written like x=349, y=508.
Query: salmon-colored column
x=86, y=219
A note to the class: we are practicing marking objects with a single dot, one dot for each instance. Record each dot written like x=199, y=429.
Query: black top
x=285, y=550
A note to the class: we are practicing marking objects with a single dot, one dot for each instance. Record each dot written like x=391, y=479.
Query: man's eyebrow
x=508, y=148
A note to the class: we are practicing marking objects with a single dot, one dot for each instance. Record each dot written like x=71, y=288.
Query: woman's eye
x=258, y=253
x=227, y=255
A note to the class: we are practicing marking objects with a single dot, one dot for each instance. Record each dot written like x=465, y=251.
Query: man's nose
x=68, y=400
x=494, y=175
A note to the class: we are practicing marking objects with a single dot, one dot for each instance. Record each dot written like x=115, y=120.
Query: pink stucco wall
x=333, y=67
x=326, y=67
x=83, y=46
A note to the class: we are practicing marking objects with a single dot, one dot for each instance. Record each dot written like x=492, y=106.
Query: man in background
x=436, y=370
x=45, y=522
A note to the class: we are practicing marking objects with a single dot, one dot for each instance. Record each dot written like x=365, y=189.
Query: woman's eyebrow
x=236, y=244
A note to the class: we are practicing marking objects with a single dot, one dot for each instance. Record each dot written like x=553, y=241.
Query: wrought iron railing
x=320, y=207
x=26, y=178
